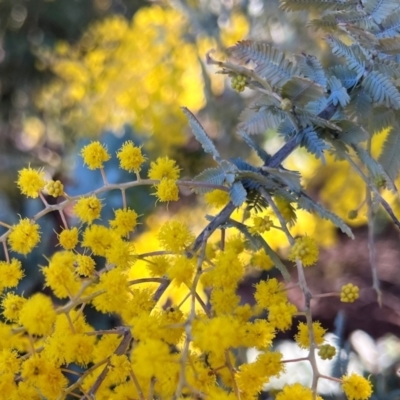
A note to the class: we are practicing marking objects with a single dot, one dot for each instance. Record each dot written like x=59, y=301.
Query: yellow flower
x=9, y=361
x=262, y=260
x=269, y=292
x=306, y=250
x=24, y=236
x=167, y=190
x=217, y=198
x=356, y=387
x=94, y=155
x=124, y=222
x=182, y=270
x=296, y=391
x=164, y=168
x=280, y=315
x=88, y=209
x=130, y=157
x=30, y=182
x=10, y=273
x=37, y=315
x=68, y=238
x=175, y=236
x=302, y=337
x=60, y=274
x=349, y=293
x=85, y=265
x=158, y=266
x=12, y=305
x=98, y=238
x=260, y=225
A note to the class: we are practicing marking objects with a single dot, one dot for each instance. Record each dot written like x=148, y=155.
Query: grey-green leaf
x=201, y=135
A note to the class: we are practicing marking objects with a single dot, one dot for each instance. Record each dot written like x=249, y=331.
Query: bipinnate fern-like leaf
x=213, y=176
x=311, y=68
x=390, y=27
x=306, y=203
x=237, y=194
x=355, y=59
x=201, y=135
x=321, y=5
x=338, y=93
x=389, y=157
x=348, y=77
x=259, y=120
x=360, y=104
x=309, y=139
x=379, y=10
x=382, y=90
x=302, y=90
x=387, y=67
x=390, y=45
x=271, y=63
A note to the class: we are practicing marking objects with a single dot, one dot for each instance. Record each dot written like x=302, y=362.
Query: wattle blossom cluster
x=187, y=349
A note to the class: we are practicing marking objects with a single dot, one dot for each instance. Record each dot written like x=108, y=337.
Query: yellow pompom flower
x=262, y=260
x=38, y=315
x=296, y=391
x=302, y=337
x=9, y=361
x=164, y=167
x=125, y=221
x=356, y=387
x=68, y=238
x=167, y=190
x=306, y=250
x=158, y=266
x=260, y=225
x=12, y=305
x=270, y=292
x=349, y=293
x=130, y=157
x=24, y=236
x=31, y=182
x=182, y=270
x=88, y=209
x=281, y=315
x=10, y=273
x=95, y=155
x=175, y=236
x=217, y=198
x=85, y=265
x=98, y=238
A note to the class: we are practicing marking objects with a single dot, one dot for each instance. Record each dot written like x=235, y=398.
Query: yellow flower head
x=260, y=225
x=31, y=182
x=296, y=391
x=262, y=260
x=12, y=305
x=85, y=265
x=270, y=292
x=24, y=236
x=167, y=190
x=88, y=209
x=37, y=315
x=175, y=236
x=10, y=273
x=164, y=167
x=349, y=293
x=124, y=222
x=356, y=387
x=130, y=157
x=302, y=337
x=280, y=315
x=95, y=155
x=68, y=238
x=217, y=198
x=306, y=250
